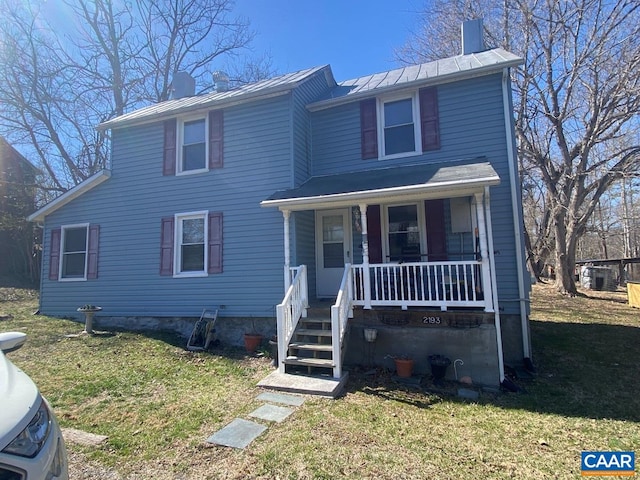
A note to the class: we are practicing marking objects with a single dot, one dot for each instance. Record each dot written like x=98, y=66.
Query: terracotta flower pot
x=404, y=367
x=252, y=341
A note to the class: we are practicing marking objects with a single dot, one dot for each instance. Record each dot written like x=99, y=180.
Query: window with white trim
x=191, y=244
x=74, y=246
x=404, y=226
x=192, y=145
x=399, y=126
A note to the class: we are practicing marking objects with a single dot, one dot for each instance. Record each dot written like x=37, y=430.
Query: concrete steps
x=310, y=350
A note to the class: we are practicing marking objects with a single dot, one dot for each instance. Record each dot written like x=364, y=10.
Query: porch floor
x=304, y=384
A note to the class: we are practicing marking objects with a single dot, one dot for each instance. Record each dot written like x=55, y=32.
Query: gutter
x=351, y=198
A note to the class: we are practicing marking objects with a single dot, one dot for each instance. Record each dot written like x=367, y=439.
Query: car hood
x=19, y=399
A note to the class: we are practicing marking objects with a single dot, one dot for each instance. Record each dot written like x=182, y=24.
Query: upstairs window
x=193, y=145
x=399, y=127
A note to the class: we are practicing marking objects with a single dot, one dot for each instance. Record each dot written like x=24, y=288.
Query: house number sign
x=431, y=320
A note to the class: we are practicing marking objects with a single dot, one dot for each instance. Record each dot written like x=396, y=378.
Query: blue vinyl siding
x=129, y=207
x=269, y=145
x=311, y=90
x=472, y=124
x=306, y=246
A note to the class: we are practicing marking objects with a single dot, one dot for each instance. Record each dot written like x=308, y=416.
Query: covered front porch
x=410, y=239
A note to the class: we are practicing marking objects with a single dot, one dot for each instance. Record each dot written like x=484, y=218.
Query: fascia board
x=411, y=192
x=80, y=189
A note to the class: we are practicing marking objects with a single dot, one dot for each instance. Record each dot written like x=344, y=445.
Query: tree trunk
x=565, y=259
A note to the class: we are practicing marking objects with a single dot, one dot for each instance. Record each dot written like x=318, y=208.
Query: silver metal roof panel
x=439, y=71
x=265, y=88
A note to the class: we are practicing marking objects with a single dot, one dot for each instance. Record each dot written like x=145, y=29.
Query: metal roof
x=264, y=88
x=439, y=71
x=455, y=178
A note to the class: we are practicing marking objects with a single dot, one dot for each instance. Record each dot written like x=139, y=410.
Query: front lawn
x=158, y=403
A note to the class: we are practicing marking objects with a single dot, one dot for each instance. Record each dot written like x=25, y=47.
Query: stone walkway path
x=240, y=433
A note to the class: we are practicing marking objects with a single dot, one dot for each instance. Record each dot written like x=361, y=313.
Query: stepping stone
x=468, y=393
x=83, y=438
x=238, y=434
x=271, y=413
x=281, y=398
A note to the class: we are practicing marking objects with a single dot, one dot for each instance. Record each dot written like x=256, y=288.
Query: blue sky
x=356, y=37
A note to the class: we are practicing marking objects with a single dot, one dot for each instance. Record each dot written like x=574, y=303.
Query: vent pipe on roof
x=183, y=85
x=221, y=79
x=472, y=36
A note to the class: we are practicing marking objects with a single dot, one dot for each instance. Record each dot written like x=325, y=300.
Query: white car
x=31, y=444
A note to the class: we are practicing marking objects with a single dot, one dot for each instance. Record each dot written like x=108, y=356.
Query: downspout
x=517, y=221
x=494, y=282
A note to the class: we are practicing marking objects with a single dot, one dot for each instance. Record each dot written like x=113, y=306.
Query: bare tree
x=57, y=82
x=577, y=101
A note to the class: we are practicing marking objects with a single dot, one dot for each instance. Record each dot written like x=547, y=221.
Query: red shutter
x=94, y=240
x=436, y=232
x=216, y=136
x=368, y=129
x=166, y=246
x=374, y=234
x=429, y=121
x=215, y=242
x=54, y=254
x=169, y=161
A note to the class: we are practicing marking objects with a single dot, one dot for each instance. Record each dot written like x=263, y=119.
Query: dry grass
x=158, y=403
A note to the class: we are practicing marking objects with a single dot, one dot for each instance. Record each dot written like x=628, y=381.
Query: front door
x=333, y=250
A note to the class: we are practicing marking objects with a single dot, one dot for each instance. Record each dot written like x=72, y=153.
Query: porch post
x=287, y=250
x=366, y=274
x=484, y=254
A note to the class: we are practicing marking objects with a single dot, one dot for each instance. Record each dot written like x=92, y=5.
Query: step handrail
x=341, y=311
x=288, y=312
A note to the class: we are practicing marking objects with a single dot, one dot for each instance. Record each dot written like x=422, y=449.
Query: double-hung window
x=74, y=242
x=191, y=244
x=404, y=233
x=192, y=153
x=400, y=126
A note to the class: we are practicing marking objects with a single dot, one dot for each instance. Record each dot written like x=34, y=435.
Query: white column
x=287, y=250
x=487, y=286
x=366, y=274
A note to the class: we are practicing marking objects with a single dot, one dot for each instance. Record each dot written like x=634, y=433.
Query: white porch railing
x=341, y=311
x=293, y=306
x=423, y=284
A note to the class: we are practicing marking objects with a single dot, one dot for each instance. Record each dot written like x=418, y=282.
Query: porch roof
x=451, y=179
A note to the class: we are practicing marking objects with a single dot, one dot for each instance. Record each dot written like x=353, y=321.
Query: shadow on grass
x=180, y=342
x=584, y=370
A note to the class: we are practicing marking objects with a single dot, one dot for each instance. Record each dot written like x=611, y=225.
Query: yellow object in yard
x=633, y=292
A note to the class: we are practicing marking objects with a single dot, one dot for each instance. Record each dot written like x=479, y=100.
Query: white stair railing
x=341, y=311
x=293, y=306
